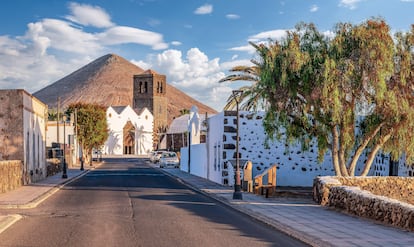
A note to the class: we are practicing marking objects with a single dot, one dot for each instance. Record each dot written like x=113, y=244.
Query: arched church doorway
x=129, y=138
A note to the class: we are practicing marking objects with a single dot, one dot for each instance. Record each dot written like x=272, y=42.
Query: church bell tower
x=150, y=91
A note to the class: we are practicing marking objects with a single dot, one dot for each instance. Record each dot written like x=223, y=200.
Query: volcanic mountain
x=108, y=81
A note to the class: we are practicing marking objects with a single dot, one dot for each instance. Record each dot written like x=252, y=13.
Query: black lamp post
x=237, y=183
x=64, y=174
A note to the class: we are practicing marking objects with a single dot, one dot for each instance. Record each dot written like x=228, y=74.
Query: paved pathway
x=298, y=217
x=302, y=218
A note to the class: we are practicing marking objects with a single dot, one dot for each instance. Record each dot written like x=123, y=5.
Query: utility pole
x=57, y=121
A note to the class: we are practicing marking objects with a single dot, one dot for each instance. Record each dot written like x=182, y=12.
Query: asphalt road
x=128, y=203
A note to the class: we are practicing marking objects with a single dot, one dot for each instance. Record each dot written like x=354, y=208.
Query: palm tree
x=251, y=97
x=184, y=111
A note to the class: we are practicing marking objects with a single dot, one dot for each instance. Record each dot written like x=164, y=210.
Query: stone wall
x=11, y=125
x=385, y=199
x=10, y=175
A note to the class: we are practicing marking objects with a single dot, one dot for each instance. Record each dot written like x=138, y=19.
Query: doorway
x=129, y=138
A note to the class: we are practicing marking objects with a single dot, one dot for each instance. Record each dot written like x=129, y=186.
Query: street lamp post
x=237, y=183
x=64, y=174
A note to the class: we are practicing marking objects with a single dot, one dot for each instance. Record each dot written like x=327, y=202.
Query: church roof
x=119, y=109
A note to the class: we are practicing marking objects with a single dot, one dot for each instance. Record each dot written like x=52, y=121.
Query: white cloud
x=329, y=34
x=195, y=74
x=26, y=64
x=122, y=34
x=60, y=35
x=314, y=8
x=262, y=37
x=273, y=34
x=232, y=16
x=176, y=43
x=89, y=15
x=350, y=4
x=247, y=48
x=241, y=62
x=10, y=47
x=53, y=48
x=143, y=65
x=203, y=10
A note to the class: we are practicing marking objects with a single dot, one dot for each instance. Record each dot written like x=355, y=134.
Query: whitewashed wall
x=143, y=124
x=52, y=132
x=295, y=167
x=215, y=149
x=197, y=150
x=34, y=132
x=198, y=165
x=184, y=159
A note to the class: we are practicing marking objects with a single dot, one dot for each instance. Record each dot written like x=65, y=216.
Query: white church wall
x=143, y=124
x=144, y=133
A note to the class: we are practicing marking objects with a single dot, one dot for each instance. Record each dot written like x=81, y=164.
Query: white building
x=61, y=135
x=214, y=160
x=129, y=132
x=65, y=131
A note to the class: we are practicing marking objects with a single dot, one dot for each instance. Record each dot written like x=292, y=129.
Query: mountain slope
x=109, y=81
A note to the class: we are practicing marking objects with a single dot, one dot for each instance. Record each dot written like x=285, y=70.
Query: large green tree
x=352, y=92
x=91, y=127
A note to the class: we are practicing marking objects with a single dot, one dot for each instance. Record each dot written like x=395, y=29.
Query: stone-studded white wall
x=295, y=167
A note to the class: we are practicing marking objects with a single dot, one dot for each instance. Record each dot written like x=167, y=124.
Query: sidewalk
x=302, y=218
x=298, y=217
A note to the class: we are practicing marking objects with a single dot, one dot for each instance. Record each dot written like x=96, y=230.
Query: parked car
x=155, y=156
x=169, y=159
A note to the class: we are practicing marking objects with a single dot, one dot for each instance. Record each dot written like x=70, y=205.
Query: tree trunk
x=361, y=149
x=342, y=162
x=370, y=159
x=373, y=153
x=354, y=161
x=335, y=160
x=90, y=157
x=86, y=156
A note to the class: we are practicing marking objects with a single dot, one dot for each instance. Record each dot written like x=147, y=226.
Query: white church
x=129, y=132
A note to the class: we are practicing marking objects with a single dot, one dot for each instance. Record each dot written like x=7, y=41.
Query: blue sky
x=194, y=43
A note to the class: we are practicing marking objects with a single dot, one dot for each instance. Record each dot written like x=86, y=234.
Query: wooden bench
x=267, y=189
x=265, y=183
